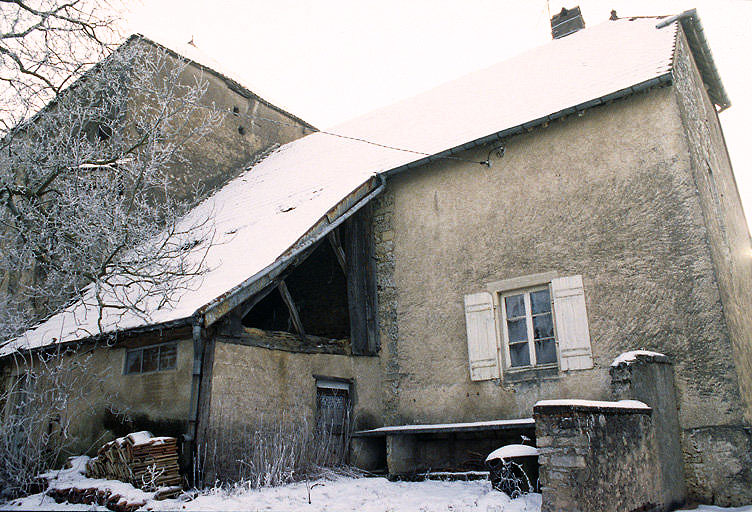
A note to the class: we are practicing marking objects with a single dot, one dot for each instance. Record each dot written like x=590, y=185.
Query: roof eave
x=692, y=27
x=659, y=81
x=103, y=337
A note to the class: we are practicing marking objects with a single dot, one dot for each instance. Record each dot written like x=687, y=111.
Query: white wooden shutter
x=572, y=329
x=482, y=348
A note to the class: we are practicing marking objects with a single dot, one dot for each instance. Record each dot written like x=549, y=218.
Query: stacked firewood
x=145, y=461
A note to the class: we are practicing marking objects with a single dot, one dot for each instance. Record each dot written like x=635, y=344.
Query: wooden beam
x=246, y=308
x=333, y=237
x=291, y=308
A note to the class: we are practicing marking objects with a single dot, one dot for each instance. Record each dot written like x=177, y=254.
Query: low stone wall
x=597, y=456
x=718, y=462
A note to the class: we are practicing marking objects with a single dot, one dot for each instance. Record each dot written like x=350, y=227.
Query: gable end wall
x=727, y=232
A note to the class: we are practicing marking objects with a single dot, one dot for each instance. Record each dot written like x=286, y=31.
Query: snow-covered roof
x=448, y=427
x=261, y=214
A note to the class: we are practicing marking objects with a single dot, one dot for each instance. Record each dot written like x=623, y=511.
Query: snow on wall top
x=598, y=404
x=263, y=212
x=631, y=357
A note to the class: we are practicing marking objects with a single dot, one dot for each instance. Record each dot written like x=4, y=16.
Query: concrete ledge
x=437, y=428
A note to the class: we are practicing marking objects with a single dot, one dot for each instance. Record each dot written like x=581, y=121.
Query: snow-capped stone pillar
x=596, y=456
x=649, y=377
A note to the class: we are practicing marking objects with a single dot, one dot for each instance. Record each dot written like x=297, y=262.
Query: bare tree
x=85, y=180
x=89, y=135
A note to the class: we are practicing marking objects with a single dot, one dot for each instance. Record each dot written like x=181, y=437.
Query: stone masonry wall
x=728, y=236
x=649, y=378
x=718, y=464
x=596, y=458
x=386, y=289
x=718, y=453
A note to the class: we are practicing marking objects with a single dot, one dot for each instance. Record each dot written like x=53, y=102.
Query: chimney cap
x=568, y=21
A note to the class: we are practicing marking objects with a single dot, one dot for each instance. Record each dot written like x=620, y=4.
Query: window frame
x=159, y=358
x=515, y=286
x=501, y=313
x=335, y=386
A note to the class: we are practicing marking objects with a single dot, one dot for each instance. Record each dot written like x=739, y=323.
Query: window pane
x=517, y=330
x=543, y=326
x=519, y=354
x=168, y=355
x=150, y=359
x=133, y=361
x=545, y=351
x=540, y=301
x=515, y=305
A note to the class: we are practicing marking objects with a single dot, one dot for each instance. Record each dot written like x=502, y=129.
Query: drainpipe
x=198, y=355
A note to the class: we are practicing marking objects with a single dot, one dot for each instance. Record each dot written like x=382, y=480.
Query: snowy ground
x=341, y=494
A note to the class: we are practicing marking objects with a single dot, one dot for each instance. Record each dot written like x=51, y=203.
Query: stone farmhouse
x=434, y=269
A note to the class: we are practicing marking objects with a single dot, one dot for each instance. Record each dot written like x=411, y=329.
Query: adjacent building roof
x=207, y=63
x=285, y=199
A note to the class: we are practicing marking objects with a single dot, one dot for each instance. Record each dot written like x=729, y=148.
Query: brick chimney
x=568, y=21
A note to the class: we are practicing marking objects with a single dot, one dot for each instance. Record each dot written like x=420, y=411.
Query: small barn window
x=153, y=358
x=332, y=405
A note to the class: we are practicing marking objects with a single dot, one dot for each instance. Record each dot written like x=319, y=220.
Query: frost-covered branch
x=87, y=200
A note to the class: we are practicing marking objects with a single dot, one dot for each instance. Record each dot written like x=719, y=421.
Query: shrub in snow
x=514, y=469
x=272, y=452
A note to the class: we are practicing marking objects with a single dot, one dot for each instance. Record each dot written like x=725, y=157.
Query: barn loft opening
x=318, y=289
x=330, y=296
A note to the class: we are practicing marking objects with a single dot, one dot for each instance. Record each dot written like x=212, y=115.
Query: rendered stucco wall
x=156, y=401
x=255, y=388
x=608, y=195
x=255, y=382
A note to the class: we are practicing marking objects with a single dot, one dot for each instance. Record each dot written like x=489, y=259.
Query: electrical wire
x=254, y=117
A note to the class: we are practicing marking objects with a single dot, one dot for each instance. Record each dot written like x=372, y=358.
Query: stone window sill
x=531, y=374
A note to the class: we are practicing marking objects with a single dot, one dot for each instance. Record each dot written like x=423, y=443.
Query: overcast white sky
x=327, y=61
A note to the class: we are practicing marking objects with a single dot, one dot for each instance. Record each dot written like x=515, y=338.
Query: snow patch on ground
x=346, y=494
x=341, y=494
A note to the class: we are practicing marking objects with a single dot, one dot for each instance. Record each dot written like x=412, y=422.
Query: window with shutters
x=531, y=323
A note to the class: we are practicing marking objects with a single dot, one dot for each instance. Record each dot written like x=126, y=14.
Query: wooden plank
x=285, y=341
x=204, y=396
x=361, y=283
x=248, y=306
x=294, y=316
